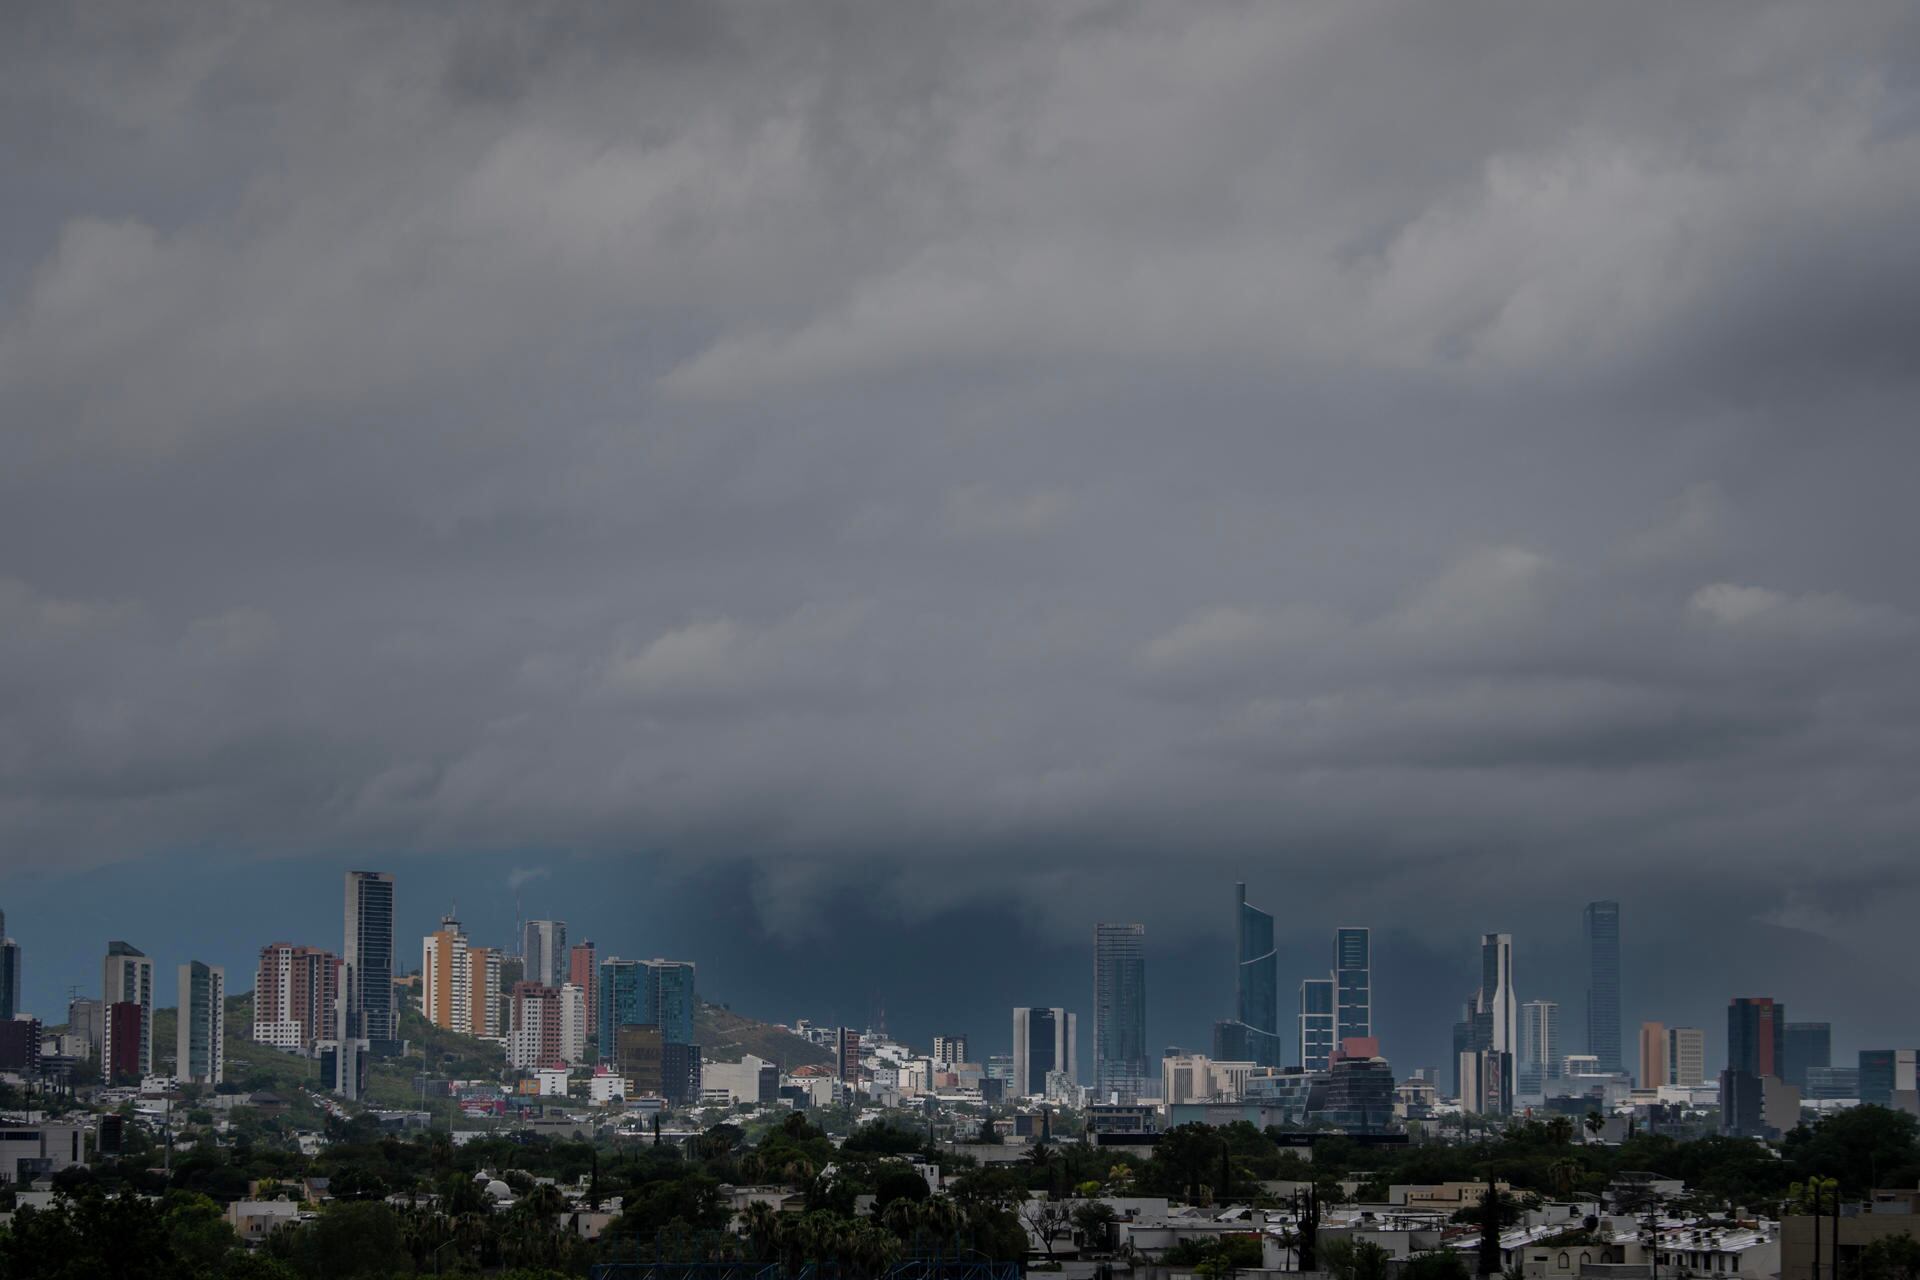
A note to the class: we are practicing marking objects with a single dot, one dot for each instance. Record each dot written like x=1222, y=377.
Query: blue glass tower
x=1119, y=1010
x=644, y=993
x=1602, y=927
x=1316, y=1024
x=1353, y=981
x=1256, y=984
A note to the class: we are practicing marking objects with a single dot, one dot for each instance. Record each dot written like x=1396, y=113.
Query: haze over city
x=853, y=496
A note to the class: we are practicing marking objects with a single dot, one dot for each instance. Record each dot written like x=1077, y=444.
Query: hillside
x=725, y=1036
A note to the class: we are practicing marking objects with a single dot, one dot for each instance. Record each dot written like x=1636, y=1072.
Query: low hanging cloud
x=1348, y=447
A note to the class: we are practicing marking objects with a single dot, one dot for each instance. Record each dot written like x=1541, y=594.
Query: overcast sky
x=971, y=470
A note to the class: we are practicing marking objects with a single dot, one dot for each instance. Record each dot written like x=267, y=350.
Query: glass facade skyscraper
x=1353, y=981
x=9, y=974
x=1808, y=1044
x=1119, y=1011
x=1317, y=1024
x=644, y=993
x=1255, y=1032
x=1602, y=929
x=1539, y=1058
x=369, y=955
x=1756, y=1036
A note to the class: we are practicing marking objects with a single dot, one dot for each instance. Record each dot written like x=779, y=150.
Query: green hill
x=725, y=1036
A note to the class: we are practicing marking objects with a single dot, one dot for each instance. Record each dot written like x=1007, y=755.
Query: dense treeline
x=414, y=1205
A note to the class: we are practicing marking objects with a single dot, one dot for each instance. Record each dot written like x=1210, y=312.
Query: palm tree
x=762, y=1222
x=1595, y=1122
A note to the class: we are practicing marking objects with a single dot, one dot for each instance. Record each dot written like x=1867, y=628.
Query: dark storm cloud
x=954, y=450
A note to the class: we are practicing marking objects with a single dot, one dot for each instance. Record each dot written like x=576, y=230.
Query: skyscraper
x=1318, y=1022
x=200, y=1054
x=1254, y=1033
x=128, y=980
x=1654, y=1068
x=1044, y=1041
x=1757, y=1036
x=640, y=993
x=1808, y=1044
x=583, y=967
x=1486, y=1072
x=9, y=973
x=1602, y=928
x=1540, y=1048
x=543, y=951
x=1885, y=1072
x=1686, y=1056
x=1119, y=1010
x=948, y=1050
x=1353, y=981
x=369, y=956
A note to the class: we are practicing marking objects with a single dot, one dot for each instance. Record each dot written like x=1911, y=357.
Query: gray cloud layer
x=1454, y=447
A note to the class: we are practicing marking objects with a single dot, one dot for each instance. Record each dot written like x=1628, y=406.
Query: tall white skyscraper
x=128, y=979
x=200, y=1039
x=369, y=956
x=543, y=951
x=1496, y=992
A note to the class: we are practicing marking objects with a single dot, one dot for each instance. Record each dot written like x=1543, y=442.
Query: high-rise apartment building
x=1119, y=1011
x=847, y=1052
x=573, y=1024
x=534, y=1040
x=1602, y=929
x=1353, y=981
x=296, y=996
x=9, y=974
x=1654, y=1067
x=128, y=980
x=1808, y=1044
x=487, y=997
x=128, y=1026
x=543, y=950
x=1318, y=1022
x=1686, y=1056
x=948, y=1050
x=200, y=1055
x=1540, y=1050
x=1757, y=1036
x=446, y=978
x=645, y=993
x=87, y=1021
x=583, y=967
x=1253, y=1034
x=1044, y=1041
x=369, y=955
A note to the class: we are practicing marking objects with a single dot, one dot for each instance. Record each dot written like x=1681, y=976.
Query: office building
x=1538, y=1059
x=9, y=974
x=1487, y=1067
x=1601, y=928
x=1253, y=1034
x=1353, y=981
x=948, y=1050
x=1884, y=1074
x=543, y=953
x=645, y=993
x=296, y=996
x=1757, y=1036
x=1686, y=1056
x=1044, y=1041
x=1318, y=1021
x=371, y=1015
x=19, y=1052
x=1808, y=1044
x=1119, y=1012
x=343, y=1065
x=446, y=978
x=1830, y=1084
x=1357, y=1097
x=128, y=980
x=583, y=967
x=200, y=1055
x=1654, y=1067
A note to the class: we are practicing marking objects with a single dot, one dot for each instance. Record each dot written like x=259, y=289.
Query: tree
x=1891, y=1258
x=1094, y=1220
x=1045, y=1221
x=1594, y=1123
x=1447, y=1264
